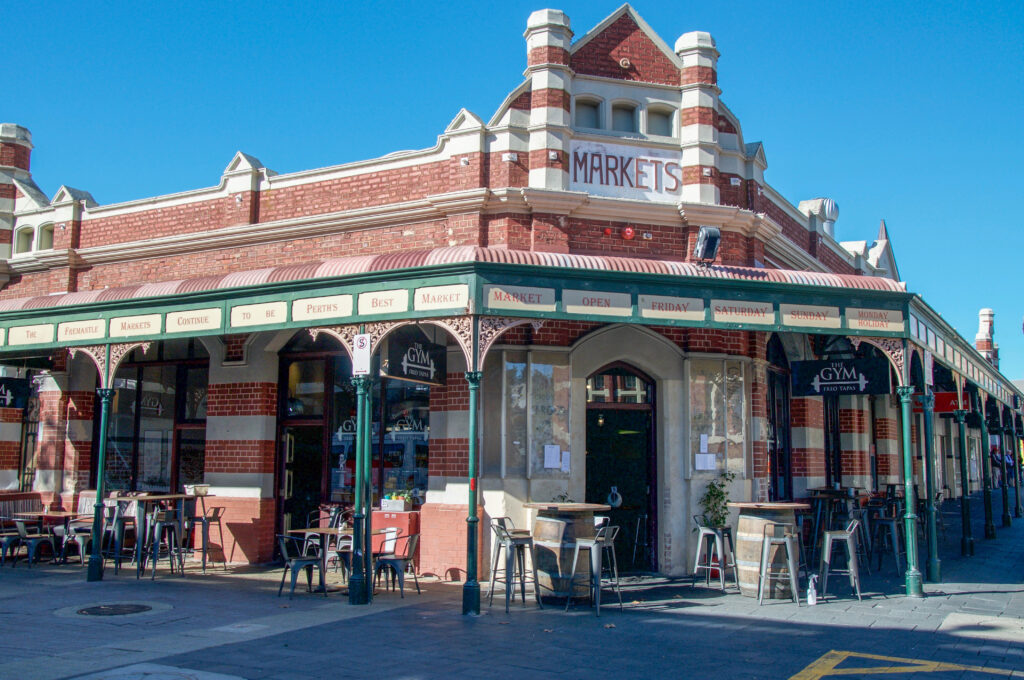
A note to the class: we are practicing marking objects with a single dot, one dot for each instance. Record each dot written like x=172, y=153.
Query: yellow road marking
x=826, y=666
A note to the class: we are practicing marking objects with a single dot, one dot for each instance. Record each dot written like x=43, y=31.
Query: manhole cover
x=114, y=609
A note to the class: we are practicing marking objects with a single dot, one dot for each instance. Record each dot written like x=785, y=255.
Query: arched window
x=588, y=114
x=659, y=122
x=23, y=239
x=624, y=117
x=45, y=237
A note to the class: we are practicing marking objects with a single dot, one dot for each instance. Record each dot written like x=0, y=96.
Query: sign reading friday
x=622, y=171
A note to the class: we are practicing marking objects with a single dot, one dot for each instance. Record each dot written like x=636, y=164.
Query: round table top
x=568, y=507
x=771, y=506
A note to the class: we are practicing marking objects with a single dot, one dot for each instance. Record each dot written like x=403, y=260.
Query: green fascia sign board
x=454, y=290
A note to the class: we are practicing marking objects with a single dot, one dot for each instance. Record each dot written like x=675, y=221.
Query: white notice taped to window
x=552, y=456
x=705, y=461
x=565, y=461
x=703, y=443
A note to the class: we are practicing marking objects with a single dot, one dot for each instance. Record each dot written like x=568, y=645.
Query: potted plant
x=713, y=502
x=396, y=501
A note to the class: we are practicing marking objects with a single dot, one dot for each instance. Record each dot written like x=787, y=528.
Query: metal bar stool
x=515, y=543
x=785, y=535
x=711, y=543
x=887, y=531
x=848, y=537
x=603, y=540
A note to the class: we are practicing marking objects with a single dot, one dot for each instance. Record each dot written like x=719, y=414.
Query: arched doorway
x=780, y=449
x=621, y=455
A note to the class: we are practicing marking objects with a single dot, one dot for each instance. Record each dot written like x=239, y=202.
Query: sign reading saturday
x=622, y=171
x=840, y=376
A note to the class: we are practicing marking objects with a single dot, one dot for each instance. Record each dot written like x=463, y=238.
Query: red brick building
x=550, y=247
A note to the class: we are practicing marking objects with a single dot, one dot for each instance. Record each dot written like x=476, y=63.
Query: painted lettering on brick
x=625, y=171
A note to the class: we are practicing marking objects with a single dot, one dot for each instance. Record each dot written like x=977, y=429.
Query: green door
x=620, y=454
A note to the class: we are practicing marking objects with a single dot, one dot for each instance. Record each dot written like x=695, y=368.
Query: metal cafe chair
x=294, y=562
x=33, y=542
x=847, y=537
x=398, y=562
x=711, y=542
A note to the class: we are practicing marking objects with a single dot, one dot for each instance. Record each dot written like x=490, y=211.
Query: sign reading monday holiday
x=622, y=171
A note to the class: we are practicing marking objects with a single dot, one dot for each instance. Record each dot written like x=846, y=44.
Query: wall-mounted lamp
x=706, y=248
x=600, y=420
x=463, y=161
x=552, y=155
x=510, y=157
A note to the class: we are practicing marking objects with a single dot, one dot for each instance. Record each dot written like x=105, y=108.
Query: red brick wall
x=242, y=399
x=15, y=155
x=547, y=54
x=443, y=547
x=10, y=451
x=623, y=38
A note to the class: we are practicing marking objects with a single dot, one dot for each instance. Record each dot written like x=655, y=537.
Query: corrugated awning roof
x=362, y=264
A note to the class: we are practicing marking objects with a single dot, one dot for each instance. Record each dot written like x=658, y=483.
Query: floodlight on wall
x=706, y=248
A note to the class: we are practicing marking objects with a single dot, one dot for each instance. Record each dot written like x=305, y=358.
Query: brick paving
x=230, y=624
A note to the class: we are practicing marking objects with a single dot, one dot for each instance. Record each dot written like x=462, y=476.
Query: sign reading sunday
x=622, y=171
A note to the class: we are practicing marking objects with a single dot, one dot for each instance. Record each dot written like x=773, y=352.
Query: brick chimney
x=983, y=340
x=15, y=154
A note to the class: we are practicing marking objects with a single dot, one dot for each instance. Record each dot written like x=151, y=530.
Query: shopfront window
x=718, y=416
x=156, y=434
x=537, y=389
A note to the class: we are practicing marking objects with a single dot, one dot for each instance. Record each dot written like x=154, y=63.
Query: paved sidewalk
x=226, y=626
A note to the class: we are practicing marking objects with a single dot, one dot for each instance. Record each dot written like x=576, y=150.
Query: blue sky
x=908, y=112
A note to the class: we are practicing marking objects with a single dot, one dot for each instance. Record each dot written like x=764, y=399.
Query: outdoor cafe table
x=555, y=530
x=753, y=517
x=323, y=533
x=64, y=515
x=823, y=499
x=141, y=518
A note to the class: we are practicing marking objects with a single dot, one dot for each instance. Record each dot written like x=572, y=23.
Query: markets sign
x=13, y=392
x=412, y=357
x=840, y=376
x=623, y=171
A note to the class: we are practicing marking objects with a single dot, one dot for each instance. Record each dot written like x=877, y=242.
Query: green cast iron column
x=357, y=579
x=966, y=540
x=368, y=486
x=95, y=572
x=1003, y=432
x=986, y=470
x=934, y=572
x=913, y=576
x=471, y=590
x=1018, y=511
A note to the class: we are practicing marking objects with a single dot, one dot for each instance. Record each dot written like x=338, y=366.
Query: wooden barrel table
x=749, y=535
x=555, y=530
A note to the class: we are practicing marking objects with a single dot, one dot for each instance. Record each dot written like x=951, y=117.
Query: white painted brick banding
x=548, y=115
x=698, y=97
x=545, y=139
x=549, y=178
x=241, y=428
x=707, y=194
x=698, y=134
x=79, y=430
x=8, y=480
x=449, y=424
x=10, y=432
x=550, y=79
x=699, y=155
x=240, y=484
x=507, y=140
x=808, y=437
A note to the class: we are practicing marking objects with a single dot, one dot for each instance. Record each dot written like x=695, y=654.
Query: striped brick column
x=807, y=418
x=887, y=443
x=443, y=516
x=15, y=157
x=241, y=435
x=548, y=38
x=698, y=117
x=759, y=430
x=854, y=414
x=10, y=448
x=49, y=454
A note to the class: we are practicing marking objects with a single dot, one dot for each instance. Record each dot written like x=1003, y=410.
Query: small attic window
x=46, y=237
x=23, y=240
x=659, y=122
x=624, y=118
x=588, y=114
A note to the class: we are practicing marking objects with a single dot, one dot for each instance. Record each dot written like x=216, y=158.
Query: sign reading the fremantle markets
x=622, y=171
x=840, y=376
x=412, y=357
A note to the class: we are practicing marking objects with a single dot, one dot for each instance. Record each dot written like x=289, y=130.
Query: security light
x=706, y=248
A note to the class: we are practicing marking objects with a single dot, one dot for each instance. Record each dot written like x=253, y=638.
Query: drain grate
x=114, y=609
